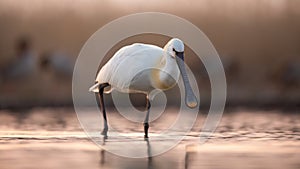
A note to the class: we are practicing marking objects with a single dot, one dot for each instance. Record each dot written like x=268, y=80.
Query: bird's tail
x=95, y=88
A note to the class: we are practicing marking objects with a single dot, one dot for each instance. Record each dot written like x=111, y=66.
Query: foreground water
x=53, y=138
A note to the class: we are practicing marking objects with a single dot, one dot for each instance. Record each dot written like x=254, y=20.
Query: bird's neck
x=166, y=74
x=168, y=64
x=169, y=72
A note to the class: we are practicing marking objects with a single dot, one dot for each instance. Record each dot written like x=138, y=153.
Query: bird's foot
x=146, y=127
x=104, y=132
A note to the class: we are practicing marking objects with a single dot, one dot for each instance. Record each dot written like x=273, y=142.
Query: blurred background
x=258, y=42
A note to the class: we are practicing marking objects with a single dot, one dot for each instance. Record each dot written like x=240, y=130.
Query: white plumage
x=134, y=69
x=141, y=68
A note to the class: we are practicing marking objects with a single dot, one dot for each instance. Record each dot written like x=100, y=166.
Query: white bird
x=59, y=63
x=142, y=68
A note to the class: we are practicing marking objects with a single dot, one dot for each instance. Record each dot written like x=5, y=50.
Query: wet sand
x=53, y=138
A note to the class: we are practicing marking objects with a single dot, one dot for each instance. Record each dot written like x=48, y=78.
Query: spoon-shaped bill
x=190, y=98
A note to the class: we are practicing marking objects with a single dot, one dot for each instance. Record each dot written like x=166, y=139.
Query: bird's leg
x=100, y=102
x=146, y=122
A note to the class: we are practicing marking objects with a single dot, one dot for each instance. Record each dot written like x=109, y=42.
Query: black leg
x=146, y=122
x=100, y=102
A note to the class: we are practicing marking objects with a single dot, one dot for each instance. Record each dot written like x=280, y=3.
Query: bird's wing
x=128, y=62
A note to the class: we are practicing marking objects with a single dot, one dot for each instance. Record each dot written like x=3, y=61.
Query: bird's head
x=175, y=48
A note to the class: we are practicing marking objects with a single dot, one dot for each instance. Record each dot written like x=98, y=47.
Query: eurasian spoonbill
x=142, y=68
x=25, y=64
x=60, y=64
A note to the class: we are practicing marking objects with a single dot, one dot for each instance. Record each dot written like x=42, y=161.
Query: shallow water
x=53, y=138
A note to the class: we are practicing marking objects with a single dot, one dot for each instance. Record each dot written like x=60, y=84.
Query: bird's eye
x=175, y=50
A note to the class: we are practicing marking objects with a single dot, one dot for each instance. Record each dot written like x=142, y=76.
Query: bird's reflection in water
x=190, y=150
x=102, y=160
x=173, y=159
x=186, y=160
x=149, y=153
x=102, y=153
x=102, y=157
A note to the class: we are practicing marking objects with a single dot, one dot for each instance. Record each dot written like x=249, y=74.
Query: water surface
x=53, y=138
